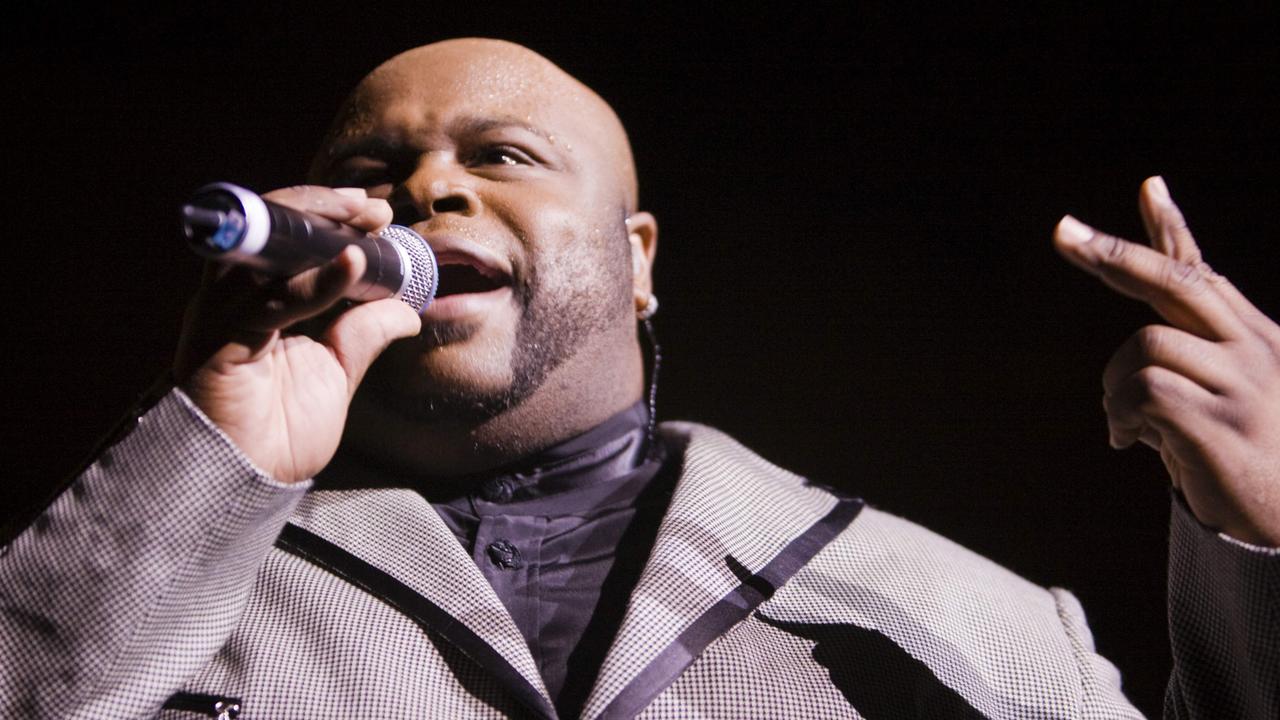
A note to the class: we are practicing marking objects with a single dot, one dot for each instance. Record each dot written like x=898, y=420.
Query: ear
x=642, y=234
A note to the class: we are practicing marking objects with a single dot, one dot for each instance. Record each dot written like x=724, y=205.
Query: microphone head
x=422, y=275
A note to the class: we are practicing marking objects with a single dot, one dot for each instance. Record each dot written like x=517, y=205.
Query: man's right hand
x=281, y=397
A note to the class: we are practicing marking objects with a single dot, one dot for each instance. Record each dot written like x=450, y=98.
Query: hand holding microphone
x=283, y=398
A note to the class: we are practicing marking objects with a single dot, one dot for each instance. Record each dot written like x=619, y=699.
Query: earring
x=650, y=308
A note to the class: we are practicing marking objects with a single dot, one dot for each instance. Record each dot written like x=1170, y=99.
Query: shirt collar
x=610, y=450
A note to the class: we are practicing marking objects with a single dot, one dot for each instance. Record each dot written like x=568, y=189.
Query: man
x=485, y=541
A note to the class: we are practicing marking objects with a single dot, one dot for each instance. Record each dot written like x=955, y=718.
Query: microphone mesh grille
x=424, y=275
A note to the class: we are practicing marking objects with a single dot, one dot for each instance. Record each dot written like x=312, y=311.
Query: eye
x=501, y=155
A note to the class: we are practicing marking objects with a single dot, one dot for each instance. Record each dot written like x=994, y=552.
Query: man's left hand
x=1203, y=390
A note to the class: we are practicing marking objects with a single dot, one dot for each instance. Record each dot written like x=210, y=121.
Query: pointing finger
x=1184, y=294
x=1169, y=235
x=1164, y=222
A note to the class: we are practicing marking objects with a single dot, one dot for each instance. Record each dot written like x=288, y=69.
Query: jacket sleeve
x=1101, y=695
x=1224, y=624
x=132, y=579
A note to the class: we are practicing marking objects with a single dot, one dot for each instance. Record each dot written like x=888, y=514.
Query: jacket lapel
x=736, y=530
x=411, y=560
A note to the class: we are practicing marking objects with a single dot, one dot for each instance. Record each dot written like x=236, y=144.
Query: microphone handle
x=228, y=223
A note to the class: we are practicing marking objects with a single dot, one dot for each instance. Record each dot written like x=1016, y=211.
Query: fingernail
x=354, y=192
x=1159, y=191
x=1072, y=231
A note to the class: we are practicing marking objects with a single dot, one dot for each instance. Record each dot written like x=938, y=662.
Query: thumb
x=359, y=335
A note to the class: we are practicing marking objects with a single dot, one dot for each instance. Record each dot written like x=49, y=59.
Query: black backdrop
x=856, y=204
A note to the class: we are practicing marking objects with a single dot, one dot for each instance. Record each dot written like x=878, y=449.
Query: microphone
x=228, y=223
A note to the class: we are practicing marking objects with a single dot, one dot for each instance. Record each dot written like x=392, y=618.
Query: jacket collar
x=450, y=593
x=737, y=528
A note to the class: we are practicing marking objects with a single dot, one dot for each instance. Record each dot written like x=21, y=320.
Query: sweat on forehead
x=496, y=77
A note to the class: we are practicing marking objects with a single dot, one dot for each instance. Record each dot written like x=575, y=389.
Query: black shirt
x=563, y=537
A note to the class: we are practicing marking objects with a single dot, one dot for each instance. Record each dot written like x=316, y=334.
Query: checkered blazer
x=174, y=580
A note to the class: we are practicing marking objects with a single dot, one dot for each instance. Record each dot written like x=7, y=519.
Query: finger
x=1165, y=225
x=1149, y=437
x=373, y=217
x=1123, y=429
x=213, y=317
x=1148, y=208
x=288, y=301
x=229, y=293
x=1183, y=294
x=236, y=318
x=1192, y=357
x=1158, y=399
x=1249, y=314
x=359, y=335
x=1170, y=235
x=349, y=206
x=319, y=200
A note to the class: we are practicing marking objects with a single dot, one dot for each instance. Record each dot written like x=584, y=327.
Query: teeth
x=482, y=270
x=488, y=272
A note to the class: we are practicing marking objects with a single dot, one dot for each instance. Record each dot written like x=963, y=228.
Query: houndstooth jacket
x=172, y=579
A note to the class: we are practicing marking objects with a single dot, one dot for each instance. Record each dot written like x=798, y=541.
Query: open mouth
x=460, y=276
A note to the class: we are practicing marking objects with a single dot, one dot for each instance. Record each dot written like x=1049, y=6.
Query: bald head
x=522, y=181
x=507, y=80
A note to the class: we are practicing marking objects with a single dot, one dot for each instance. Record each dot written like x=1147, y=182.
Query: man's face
x=505, y=166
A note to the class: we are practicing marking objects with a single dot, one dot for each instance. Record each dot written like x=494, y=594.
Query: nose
x=438, y=186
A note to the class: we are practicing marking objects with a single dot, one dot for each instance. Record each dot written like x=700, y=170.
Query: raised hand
x=1203, y=390
x=282, y=397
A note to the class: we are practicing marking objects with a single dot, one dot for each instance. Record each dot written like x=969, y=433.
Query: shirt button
x=505, y=555
x=497, y=490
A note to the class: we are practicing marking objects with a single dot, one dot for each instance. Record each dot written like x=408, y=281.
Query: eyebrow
x=380, y=146
x=481, y=124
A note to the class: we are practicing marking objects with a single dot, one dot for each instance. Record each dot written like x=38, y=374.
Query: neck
x=575, y=397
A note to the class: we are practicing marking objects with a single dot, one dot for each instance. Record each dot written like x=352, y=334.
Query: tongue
x=459, y=279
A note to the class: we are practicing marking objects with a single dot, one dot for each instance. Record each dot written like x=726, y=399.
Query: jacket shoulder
x=888, y=588
x=881, y=547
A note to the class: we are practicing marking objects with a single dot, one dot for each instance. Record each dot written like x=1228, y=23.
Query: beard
x=560, y=307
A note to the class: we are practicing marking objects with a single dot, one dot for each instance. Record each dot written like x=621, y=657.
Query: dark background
x=856, y=205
